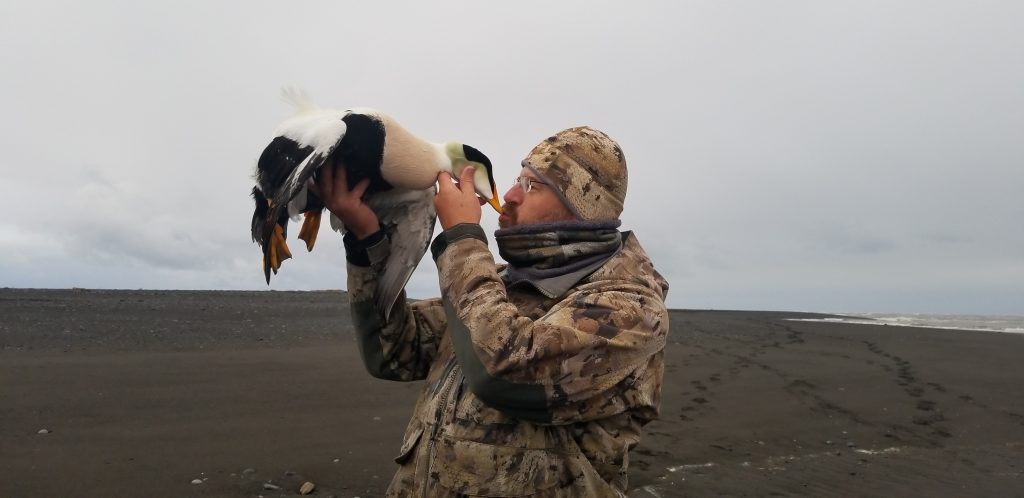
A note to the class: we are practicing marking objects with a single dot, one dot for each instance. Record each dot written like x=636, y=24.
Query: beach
x=243, y=394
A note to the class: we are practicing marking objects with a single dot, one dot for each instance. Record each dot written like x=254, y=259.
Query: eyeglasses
x=526, y=183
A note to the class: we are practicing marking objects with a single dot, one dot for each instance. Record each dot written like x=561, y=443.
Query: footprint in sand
x=928, y=418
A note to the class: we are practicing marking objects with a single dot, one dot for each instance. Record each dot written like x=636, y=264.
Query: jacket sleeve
x=403, y=345
x=595, y=354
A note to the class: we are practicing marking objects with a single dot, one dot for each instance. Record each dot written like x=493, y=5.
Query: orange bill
x=493, y=201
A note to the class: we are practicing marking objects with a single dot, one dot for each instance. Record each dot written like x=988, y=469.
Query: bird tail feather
x=298, y=99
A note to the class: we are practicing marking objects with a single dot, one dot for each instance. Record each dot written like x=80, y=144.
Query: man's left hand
x=457, y=204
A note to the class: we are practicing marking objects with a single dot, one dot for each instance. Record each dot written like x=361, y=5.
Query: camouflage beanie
x=587, y=170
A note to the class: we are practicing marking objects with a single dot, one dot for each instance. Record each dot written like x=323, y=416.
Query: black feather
x=259, y=216
x=277, y=161
x=362, y=151
x=478, y=157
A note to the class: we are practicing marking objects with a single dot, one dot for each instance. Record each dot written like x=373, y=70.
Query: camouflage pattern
x=575, y=376
x=550, y=248
x=587, y=168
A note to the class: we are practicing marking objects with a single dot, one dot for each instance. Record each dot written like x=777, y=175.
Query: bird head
x=463, y=155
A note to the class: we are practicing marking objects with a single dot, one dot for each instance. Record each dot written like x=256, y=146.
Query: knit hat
x=587, y=170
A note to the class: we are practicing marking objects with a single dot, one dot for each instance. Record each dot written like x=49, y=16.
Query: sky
x=848, y=156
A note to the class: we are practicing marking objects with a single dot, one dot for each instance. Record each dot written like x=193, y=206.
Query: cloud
x=804, y=156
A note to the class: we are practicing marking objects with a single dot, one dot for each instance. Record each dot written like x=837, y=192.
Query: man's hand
x=332, y=188
x=457, y=204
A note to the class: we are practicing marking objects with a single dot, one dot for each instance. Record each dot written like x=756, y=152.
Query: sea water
x=989, y=323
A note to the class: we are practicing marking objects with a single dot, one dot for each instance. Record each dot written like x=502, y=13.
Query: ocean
x=987, y=323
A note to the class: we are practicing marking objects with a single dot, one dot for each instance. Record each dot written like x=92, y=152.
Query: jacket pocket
x=471, y=409
x=478, y=469
x=409, y=445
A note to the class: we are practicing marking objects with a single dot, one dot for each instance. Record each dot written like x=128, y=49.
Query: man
x=540, y=374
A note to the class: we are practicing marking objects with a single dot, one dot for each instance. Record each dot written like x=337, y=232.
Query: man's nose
x=514, y=194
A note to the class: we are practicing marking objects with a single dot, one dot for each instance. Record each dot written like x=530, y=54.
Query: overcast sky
x=800, y=155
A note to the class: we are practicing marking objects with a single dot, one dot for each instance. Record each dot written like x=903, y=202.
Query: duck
x=402, y=169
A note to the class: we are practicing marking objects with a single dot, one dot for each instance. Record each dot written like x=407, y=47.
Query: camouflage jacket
x=525, y=395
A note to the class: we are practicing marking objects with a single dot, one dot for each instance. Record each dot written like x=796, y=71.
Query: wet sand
x=143, y=392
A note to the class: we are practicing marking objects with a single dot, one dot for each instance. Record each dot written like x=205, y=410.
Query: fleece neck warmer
x=552, y=257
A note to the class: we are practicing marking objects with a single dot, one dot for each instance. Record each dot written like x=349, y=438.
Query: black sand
x=143, y=392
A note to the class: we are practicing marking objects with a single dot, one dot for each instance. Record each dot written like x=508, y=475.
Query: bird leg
x=310, y=228
x=278, y=248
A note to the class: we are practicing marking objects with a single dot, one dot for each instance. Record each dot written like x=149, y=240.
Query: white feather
x=311, y=125
x=320, y=128
x=298, y=99
x=297, y=204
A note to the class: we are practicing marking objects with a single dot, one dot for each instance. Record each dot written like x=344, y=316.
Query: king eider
x=402, y=169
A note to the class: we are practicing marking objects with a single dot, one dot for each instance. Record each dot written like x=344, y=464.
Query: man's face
x=539, y=205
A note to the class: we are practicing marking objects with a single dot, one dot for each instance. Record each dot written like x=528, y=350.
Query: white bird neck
x=410, y=162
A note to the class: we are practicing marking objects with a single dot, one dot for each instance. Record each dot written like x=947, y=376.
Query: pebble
x=271, y=487
x=43, y=431
x=307, y=488
x=248, y=471
x=197, y=481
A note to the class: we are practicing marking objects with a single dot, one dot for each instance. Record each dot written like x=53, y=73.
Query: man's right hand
x=331, y=187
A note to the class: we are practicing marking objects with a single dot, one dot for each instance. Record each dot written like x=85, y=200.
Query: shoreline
x=877, y=323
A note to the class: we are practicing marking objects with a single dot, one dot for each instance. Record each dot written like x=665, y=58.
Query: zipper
x=446, y=387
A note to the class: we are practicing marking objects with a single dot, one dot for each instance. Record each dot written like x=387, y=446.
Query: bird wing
x=308, y=139
x=295, y=185
x=278, y=211
x=408, y=217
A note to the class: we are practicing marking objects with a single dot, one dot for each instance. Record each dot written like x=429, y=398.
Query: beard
x=510, y=217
